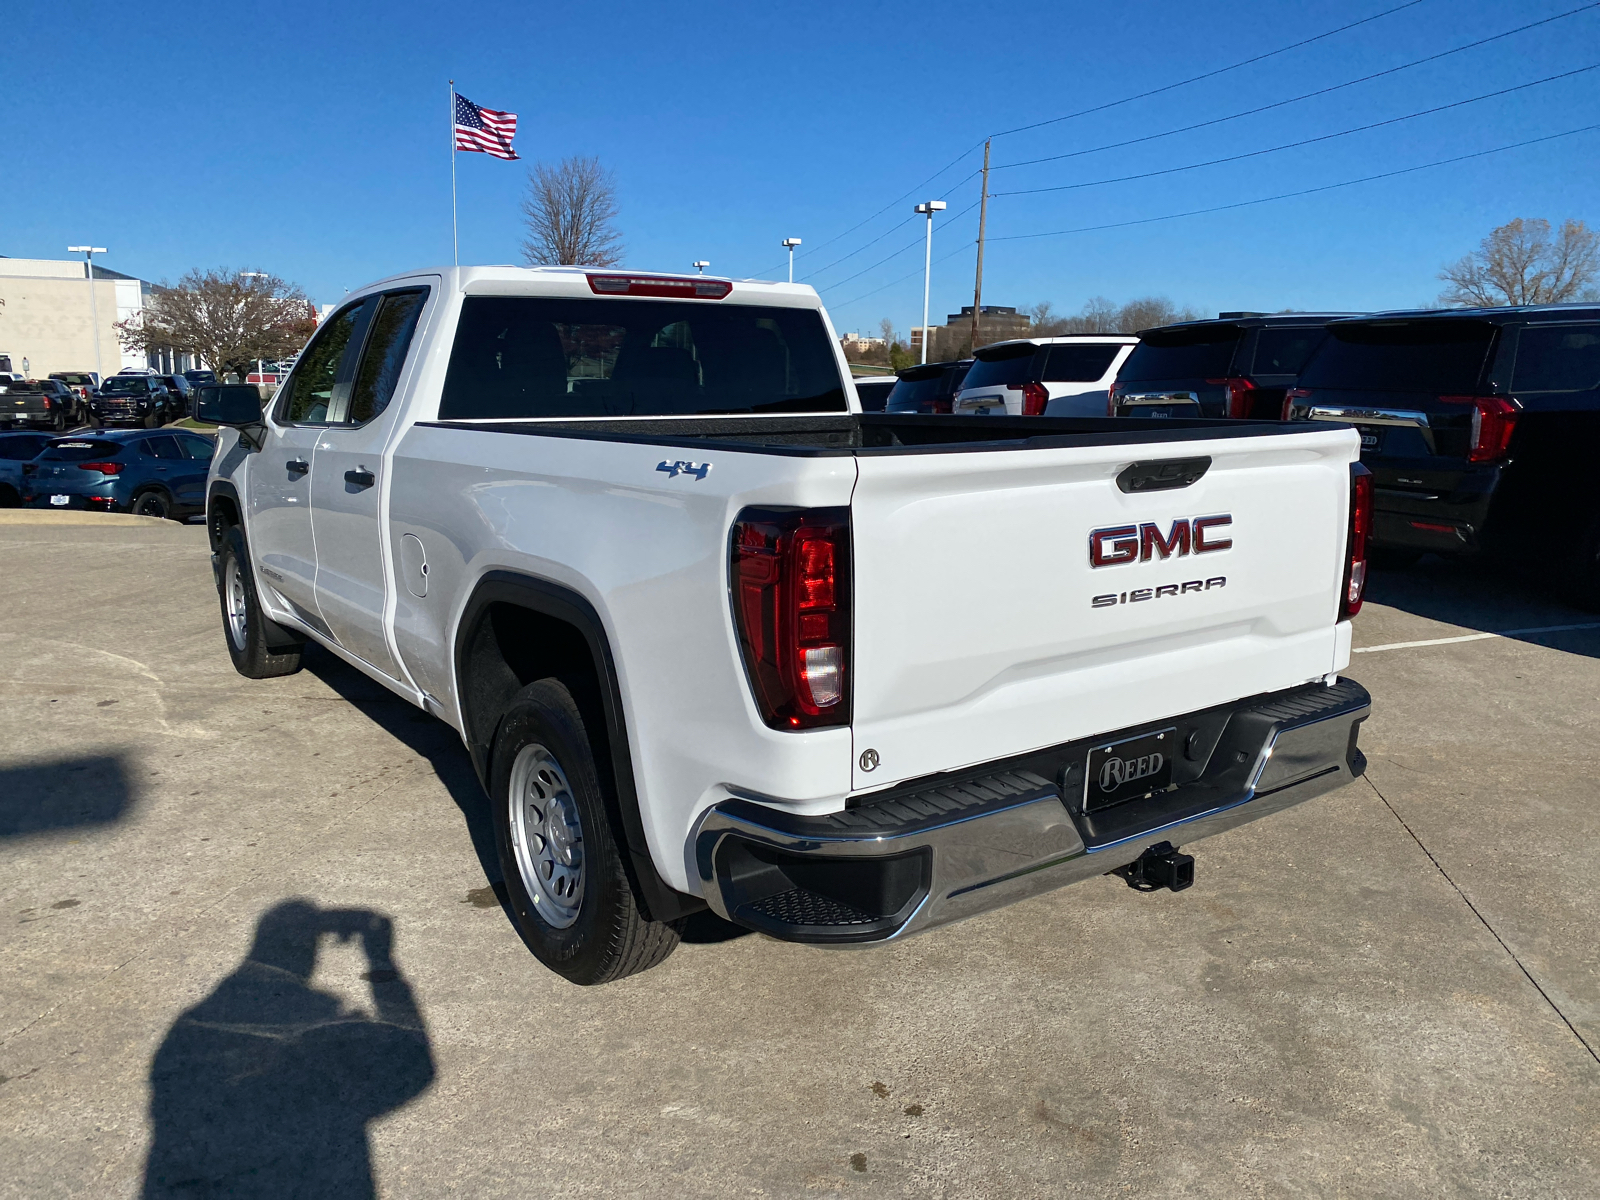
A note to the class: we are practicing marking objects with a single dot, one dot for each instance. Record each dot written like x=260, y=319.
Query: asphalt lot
x=1390, y=991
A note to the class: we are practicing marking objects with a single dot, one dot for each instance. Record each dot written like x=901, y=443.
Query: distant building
x=860, y=343
x=45, y=316
x=953, y=339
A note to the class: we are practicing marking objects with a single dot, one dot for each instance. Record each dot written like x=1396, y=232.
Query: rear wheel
x=245, y=627
x=9, y=497
x=152, y=504
x=562, y=863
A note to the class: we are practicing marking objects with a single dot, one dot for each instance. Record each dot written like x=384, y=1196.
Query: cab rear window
x=559, y=357
x=1205, y=353
x=80, y=450
x=1442, y=356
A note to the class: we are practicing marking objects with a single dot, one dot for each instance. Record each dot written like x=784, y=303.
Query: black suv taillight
x=1355, y=565
x=789, y=575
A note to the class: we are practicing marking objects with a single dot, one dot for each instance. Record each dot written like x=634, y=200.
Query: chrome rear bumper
x=945, y=849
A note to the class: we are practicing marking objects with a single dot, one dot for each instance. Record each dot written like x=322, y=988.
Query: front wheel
x=1579, y=580
x=562, y=864
x=244, y=625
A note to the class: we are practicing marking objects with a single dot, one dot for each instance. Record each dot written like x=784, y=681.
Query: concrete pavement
x=1390, y=991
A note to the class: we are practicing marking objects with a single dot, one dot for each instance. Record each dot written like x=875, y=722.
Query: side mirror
x=238, y=405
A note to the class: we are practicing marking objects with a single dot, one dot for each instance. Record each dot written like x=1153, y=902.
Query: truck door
x=279, y=482
x=348, y=487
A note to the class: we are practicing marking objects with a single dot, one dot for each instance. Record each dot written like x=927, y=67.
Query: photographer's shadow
x=265, y=1087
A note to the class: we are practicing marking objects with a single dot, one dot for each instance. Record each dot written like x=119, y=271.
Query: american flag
x=483, y=130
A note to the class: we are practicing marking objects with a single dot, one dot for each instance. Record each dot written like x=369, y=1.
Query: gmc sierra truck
x=713, y=637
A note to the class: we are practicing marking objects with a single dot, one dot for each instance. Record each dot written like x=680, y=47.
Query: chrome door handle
x=297, y=466
x=360, y=479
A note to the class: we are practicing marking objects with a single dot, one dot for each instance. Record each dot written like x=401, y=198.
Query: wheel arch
x=516, y=629
x=223, y=510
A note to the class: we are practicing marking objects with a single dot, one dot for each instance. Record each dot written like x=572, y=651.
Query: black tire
x=59, y=421
x=246, y=636
x=1392, y=558
x=9, y=497
x=607, y=937
x=152, y=504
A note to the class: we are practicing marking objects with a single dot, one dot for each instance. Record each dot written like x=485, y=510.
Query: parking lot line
x=1473, y=637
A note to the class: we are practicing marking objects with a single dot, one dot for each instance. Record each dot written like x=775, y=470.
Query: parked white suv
x=1044, y=377
x=689, y=608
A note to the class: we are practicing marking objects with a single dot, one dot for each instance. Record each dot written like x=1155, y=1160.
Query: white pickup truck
x=714, y=637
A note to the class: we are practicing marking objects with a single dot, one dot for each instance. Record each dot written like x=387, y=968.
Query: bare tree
x=1101, y=316
x=571, y=211
x=225, y=320
x=1520, y=263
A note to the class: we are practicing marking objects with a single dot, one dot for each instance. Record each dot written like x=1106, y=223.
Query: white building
x=47, y=319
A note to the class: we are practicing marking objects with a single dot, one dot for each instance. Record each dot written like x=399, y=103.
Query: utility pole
x=983, y=214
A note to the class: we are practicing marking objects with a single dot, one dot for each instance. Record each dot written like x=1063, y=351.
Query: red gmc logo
x=1141, y=543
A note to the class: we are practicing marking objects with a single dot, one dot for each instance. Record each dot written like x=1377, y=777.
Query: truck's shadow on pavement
x=1485, y=597
x=265, y=1088
x=442, y=747
x=425, y=735
x=69, y=793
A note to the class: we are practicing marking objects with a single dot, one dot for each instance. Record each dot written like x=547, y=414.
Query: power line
x=961, y=249
x=1327, y=187
x=911, y=245
x=1098, y=108
x=1250, y=112
x=1083, y=112
x=1065, y=187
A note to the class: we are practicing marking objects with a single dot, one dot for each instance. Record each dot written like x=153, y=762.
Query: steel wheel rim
x=233, y=597
x=546, y=836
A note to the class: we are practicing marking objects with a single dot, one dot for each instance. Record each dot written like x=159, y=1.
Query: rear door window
x=1205, y=353
x=162, y=446
x=1078, y=364
x=309, y=392
x=387, y=342
x=1443, y=356
x=1285, y=351
x=1557, y=358
x=575, y=357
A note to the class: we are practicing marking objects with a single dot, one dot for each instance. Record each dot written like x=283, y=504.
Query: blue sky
x=312, y=140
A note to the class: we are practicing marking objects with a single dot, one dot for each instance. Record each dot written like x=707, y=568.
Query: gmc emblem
x=1141, y=543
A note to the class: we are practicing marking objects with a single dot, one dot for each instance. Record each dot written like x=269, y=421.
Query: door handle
x=360, y=479
x=297, y=466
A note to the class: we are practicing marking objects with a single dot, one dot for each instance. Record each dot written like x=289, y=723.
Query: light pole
x=701, y=264
x=261, y=375
x=928, y=208
x=791, y=243
x=88, y=253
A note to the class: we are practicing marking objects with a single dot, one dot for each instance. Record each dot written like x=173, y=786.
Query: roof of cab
x=556, y=281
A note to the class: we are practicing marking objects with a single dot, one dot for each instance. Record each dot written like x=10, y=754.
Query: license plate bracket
x=1129, y=769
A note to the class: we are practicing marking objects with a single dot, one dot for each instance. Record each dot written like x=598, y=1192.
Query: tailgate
x=977, y=629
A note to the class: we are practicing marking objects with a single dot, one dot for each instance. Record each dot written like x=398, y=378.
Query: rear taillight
x=1355, y=566
x=941, y=406
x=1113, y=398
x=1035, y=399
x=105, y=468
x=1238, y=389
x=1291, y=398
x=1494, y=419
x=789, y=574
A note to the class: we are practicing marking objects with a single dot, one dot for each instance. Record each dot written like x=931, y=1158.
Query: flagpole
x=455, y=234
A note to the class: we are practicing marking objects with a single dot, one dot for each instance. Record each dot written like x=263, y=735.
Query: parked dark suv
x=928, y=387
x=1239, y=365
x=136, y=400
x=1480, y=428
